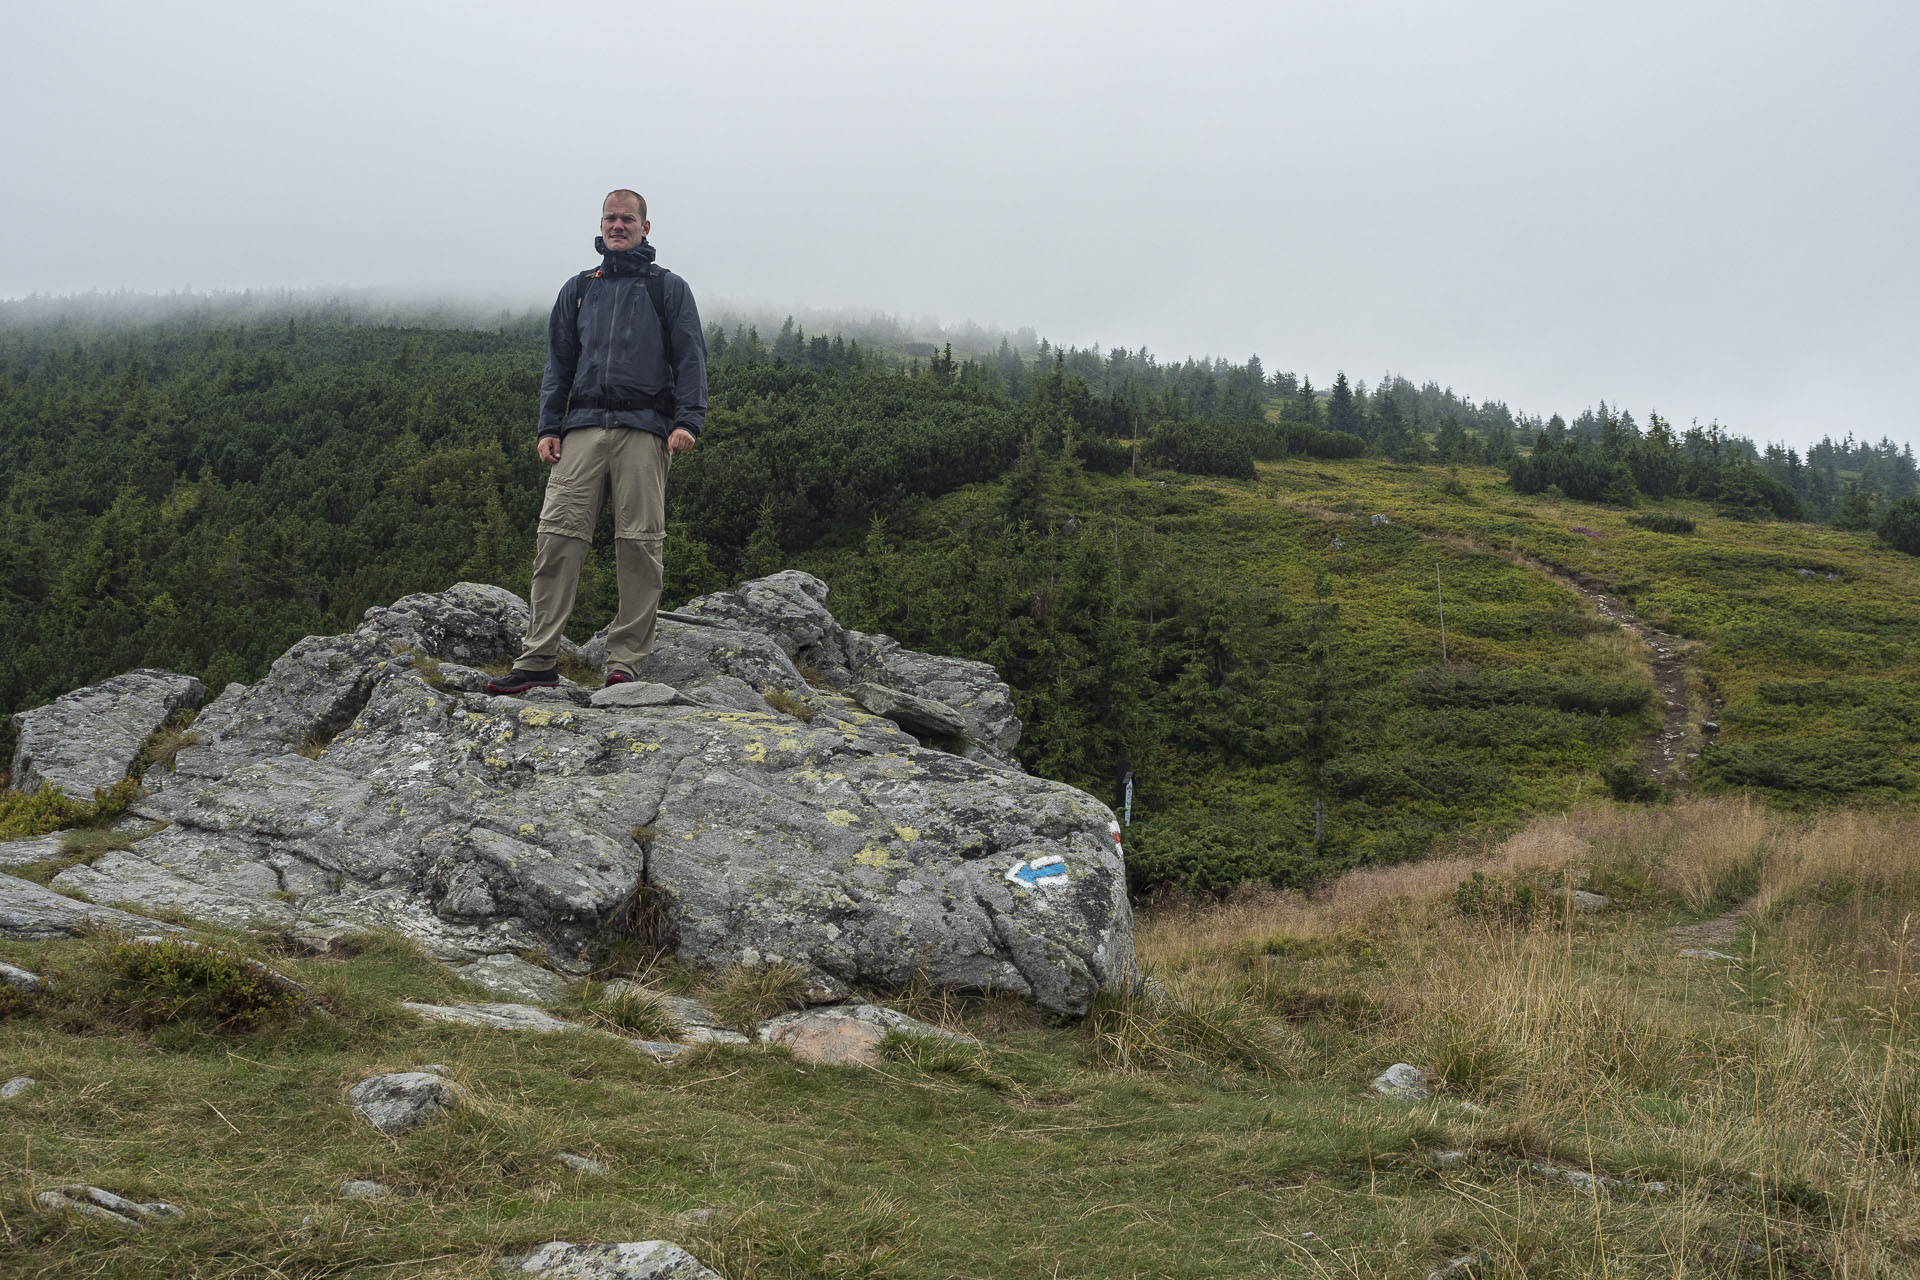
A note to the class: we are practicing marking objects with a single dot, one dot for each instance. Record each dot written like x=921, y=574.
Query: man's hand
x=680, y=441
x=549, y=449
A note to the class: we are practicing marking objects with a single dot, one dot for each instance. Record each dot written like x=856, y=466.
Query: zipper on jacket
x=606, y=360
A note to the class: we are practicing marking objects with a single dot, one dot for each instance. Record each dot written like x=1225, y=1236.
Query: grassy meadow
x=1292, y=706
x=1807, y=635
x=1218, y=1125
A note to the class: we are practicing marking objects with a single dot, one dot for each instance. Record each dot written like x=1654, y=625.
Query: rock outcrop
x=32, y=912
x=89, y=739
x=368, y=781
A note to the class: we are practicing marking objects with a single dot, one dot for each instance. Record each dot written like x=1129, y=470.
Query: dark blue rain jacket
x=611, y=350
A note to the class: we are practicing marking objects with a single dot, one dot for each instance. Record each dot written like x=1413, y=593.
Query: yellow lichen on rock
x=873, y=856
x=841, y=817
x=907, y=834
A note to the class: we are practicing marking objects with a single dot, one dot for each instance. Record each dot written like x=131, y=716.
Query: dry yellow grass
x=1788, y=1076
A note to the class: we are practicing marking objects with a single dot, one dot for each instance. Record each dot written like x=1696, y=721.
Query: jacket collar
x=624, y=262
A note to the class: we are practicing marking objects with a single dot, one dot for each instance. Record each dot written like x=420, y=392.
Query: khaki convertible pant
x=595, y=461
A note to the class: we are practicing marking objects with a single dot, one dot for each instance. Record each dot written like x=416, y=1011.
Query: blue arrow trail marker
x=1039, y=873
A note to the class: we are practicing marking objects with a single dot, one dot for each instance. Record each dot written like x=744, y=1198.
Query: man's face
x=621, y=225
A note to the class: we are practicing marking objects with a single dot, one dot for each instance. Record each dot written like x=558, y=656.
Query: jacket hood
x=624, y=262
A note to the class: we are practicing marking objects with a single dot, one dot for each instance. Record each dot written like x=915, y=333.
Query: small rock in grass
x=403, y=1100
x=1706, y=953
x=846, y=1034
x=1584, y=901
x=581, y=1164
x=17, y=1086
x=20, y=979
x=1402, y=1080
x=364, y=1189
x=94, y=1202
x=514, y=978
x=499, y=1016
x=660, y=1051
x=644, y=1260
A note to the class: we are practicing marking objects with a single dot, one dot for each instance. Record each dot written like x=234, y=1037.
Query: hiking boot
x=617, y=676
x=518, y=681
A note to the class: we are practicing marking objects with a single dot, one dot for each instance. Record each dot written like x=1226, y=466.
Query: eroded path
x=1664, y=753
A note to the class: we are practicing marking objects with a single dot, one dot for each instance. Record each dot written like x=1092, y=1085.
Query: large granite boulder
x=89, y=739
x=348, y=789
x=791, y=609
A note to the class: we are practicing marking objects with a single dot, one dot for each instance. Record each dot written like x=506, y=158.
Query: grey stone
x=581, y=1164
x=704, y=1216
x=403, y=1100
x=498, y=1017
x=17, y=1086
x=685, y=656
x=363, y=1189
x=1579, y=1179
x=1588, y=902
x=727, y=692
x=848, y=1035
x=790, y=608
x=658, y=1051
x=32, y=912
x=94, y=1202
x=20, y=979
x=634, y=693
x=973, y=691
x=644, y=1260
x=457, y=678
x=480, y=825
x=922, y=717
x=88, y=739
x=1402, y=1080
x=1707, y=953
x=22, y=853
x=508, y=975
x=1378, y=519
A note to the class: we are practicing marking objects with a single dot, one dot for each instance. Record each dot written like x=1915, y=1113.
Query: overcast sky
x=1701, y=208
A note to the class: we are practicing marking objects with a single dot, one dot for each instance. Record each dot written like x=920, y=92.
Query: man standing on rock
x=625, y=390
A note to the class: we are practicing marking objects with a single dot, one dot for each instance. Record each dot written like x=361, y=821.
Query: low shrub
x=23, y=814
x=1629, y=783
x=173, y=979
x=1661, y=522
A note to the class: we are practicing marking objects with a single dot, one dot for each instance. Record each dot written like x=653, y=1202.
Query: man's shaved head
x=635, y=196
